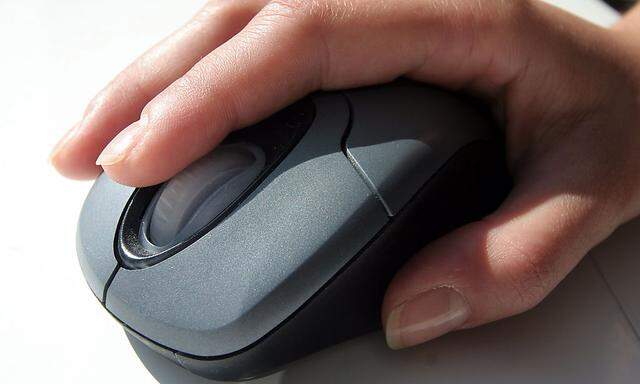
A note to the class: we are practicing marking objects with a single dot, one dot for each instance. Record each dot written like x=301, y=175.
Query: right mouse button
x=402, y=133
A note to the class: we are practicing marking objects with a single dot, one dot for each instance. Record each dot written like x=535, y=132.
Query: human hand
x=568, y=92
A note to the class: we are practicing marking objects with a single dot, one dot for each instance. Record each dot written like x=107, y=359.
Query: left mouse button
x=97, y=228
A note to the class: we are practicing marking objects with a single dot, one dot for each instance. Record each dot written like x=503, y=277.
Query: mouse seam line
x=107, y=284
x=365, y=178
x=354, y=162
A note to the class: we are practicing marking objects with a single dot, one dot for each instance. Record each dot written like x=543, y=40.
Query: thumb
x=497, y=267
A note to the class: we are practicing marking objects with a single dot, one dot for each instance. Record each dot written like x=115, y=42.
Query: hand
x=568, y=91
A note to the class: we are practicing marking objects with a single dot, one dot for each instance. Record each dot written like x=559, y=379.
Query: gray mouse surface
x=282, y=240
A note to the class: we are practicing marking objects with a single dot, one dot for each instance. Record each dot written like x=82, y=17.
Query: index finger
x=294, y=47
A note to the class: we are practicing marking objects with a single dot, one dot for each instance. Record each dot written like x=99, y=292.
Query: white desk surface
x=55, y=56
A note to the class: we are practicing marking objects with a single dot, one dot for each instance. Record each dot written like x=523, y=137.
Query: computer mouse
x=283, y=239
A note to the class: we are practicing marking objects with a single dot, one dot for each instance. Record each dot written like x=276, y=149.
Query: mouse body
x=283, y=239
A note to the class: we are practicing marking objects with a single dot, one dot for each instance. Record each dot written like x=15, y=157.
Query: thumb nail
x=426, y=316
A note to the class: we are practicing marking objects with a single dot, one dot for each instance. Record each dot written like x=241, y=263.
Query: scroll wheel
x=201, y=192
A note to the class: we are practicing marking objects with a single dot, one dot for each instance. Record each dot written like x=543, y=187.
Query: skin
x=567, y=90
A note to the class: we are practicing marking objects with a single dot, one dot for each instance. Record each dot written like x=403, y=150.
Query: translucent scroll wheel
x=198, y=194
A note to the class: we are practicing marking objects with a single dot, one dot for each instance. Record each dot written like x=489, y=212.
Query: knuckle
x=506, y=10
x=291, y=7
x=213, y=9
x=531, y=283
x=122, y=90
x=483, y=16
x=192, y=84
x=107, y=99
x=96, y=103
x=528, y=274
x=506, y=15
x=309, y=23
x=301, y=13
x=186, y=103
x=514, y=9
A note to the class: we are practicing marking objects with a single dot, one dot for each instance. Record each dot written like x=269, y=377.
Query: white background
x=54, y=56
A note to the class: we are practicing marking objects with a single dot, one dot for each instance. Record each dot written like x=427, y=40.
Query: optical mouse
x=282, y=240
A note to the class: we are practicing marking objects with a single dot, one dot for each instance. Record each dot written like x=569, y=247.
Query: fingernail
x=120, y=146
x=425, y=317
x=60, y=145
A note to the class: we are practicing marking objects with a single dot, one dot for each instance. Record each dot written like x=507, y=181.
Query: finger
x=504, y=264
x=121, y=102
x=627, y=29
x=630, y=21
x=293, y=47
